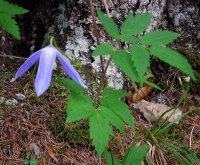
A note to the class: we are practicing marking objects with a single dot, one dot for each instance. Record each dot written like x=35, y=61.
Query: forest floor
x=36, y=126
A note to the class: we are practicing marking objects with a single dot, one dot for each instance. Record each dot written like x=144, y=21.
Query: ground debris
x=153, y=111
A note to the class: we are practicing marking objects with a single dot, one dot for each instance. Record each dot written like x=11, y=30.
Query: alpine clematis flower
x=46, y=57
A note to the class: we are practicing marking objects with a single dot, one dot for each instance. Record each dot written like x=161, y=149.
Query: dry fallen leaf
x=140, y=94
x=152, y=111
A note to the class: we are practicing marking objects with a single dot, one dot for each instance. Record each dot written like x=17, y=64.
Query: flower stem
x=53, y=42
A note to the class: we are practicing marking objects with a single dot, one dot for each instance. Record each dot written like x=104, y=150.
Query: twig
x=105, y=2
x=191, y=133
x=11, y=56
x=96, y=33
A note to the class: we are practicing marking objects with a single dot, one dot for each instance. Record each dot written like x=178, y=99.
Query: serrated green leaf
x=109, y=25
x=103, y=49
x=134, y=25
x=11, y=9
x=141, y=59
x=109, y=159
x=100, y=130
x=152, y=84
x=119, y=108
x=78, y=107
x=129, y=39
x=26, y=162
x=71, y=85
x=173, y=58
x=123, y=60
x=113, y=93
x=112, y=118
x=9, y=25
x=134, y=155
x=159, y=37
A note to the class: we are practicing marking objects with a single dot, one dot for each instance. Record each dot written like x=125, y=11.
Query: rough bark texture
x=70, y=22
x=180, y=15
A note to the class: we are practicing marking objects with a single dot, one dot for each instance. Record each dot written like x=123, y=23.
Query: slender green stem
x=53, y=42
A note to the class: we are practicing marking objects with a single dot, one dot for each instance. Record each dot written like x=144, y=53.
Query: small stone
x=20, y=96
x=187, y=79
x=34, y=148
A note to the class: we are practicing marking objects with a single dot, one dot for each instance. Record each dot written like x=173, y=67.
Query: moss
x=73, y=133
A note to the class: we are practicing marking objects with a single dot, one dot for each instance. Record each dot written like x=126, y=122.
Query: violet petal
x=44, y=73
x=27, y=65
x=69, y=69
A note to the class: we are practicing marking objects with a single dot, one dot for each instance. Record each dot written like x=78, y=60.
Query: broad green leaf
x=103, y=49
x=109, y=159
x=109, y=25
x=119, y=108
x=123, y=60
x=71, y=85
x=9, y=25
x=113, y=93
x=100, y=130
x=141, y=59
x=134, y=155
x=11, y=9
x=134, y=25
x=112, y=118
x=173, y=58
x=159, y=37
x=130, y=39
x=78, y=107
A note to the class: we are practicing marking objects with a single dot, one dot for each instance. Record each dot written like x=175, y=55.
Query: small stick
x=11, y=56
x=191, y=133
x=106, y=2
x=95, y=31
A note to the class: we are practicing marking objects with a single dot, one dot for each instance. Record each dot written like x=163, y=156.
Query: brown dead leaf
x=153, y=111
x=140, y=94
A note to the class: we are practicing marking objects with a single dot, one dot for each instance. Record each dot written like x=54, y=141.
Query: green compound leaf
x=141, y=59
x=109, y=25
x=120, y=109
x=159, y=37
x=123, y=60
x=173, y=58
x=78, y=107
x=112, y=118
x=103, y=49
x=100, y=130
x=11, y=9
x=71, y=85
x=134, y=155
x=114, y=94
x=109, y=159
x=129, y=39
x=9, y=25
x=134, y=25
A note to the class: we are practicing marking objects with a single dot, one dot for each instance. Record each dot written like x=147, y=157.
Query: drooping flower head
x=46, y=57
